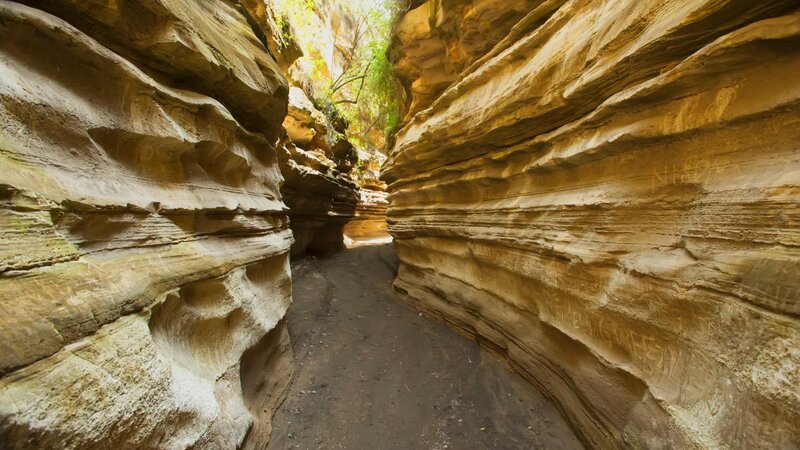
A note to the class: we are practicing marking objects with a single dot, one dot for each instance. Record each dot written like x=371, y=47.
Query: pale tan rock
x=319, y=190
x=329, y=34
x=320, y=197
x=207, y=47
x=317, y=160
x=167, y=377
x=144, y=247
x=610, y=201
x=282, y=45
x=437, y=39
x=304, y=123
x=369, y=222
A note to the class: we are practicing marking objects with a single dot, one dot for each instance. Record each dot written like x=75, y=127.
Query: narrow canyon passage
x=372, y=373
x=603, y=193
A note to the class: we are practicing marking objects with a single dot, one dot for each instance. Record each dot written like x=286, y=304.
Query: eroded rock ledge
x=319, y=190
x=370, y=217
x=144, y=270
x=609, y=199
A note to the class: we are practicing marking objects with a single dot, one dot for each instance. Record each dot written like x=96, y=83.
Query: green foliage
x=363, y=93
x=382, y=86
x=297, y=12
x=360, y=170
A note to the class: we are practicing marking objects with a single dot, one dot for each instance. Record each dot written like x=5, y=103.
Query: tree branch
x=348, y=81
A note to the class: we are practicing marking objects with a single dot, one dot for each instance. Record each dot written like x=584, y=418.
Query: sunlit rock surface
x=370, y=217
x=319, y=191
x=316, y=158
x=333, y=30
x=304, y=123
x=436, y=40
x=271, y=29
x=609, y=199
x=144, y=269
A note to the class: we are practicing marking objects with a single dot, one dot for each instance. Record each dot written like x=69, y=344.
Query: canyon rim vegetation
x=604, y=194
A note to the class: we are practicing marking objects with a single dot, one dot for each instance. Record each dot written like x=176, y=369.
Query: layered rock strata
x=316, y=158
x=322, y=199
x=144, y=269
x=437, y=39
x=609, y=199
x=319, y=191
x=369, y=221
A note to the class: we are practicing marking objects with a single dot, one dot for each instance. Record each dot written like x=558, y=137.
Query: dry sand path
x=372, y=373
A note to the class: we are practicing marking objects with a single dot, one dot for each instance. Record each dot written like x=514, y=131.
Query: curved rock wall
x=437, y=39
x=144, y=267
x=370, y=216
x=609, y=199
x=315, y=156
x=322, y=199
x=319, y=191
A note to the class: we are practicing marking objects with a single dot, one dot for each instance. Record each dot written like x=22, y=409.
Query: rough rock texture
x=315, y=158
x=143, y=268
x=336, y=32
x=205, y=47
x=319, y=191
x=437, y=39
x=276, y=35
x=370, y=216
x=322, y=199
x=328, y=37
x=304, y=123
x=610, y=200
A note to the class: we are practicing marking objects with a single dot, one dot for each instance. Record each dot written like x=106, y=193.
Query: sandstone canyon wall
x=370, y=216
x=605, y=192
x=319, y=190
x=315, y=157
x=144, y=270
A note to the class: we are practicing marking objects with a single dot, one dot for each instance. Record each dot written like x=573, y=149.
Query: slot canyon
x=400, y=224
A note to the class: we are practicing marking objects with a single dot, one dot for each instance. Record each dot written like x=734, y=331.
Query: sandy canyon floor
x=372, y=373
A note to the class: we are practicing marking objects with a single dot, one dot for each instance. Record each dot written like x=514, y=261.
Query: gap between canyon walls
x=604, y=193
